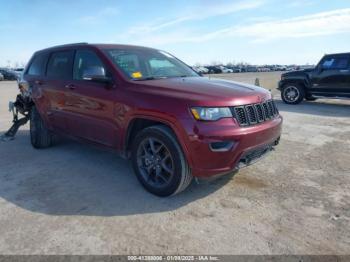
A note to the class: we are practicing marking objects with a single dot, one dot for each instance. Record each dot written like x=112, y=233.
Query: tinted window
x=84, y=61
x=60, y=65
x=37, y=67
x=335, y=63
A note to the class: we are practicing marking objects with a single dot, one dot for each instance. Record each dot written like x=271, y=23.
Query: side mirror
x=97, y=74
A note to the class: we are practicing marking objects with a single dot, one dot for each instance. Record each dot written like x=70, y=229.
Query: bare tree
x=216, y=63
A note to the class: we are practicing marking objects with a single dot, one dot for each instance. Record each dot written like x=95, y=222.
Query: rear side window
x=60, y=65
x=38, y=65
x=335, y=63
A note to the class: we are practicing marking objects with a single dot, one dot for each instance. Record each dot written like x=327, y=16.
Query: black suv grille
x=256, y=113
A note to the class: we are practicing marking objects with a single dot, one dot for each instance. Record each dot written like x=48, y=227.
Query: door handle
x=70, y=86
x=38, y=82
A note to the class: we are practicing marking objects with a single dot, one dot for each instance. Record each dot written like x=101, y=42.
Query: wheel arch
x=139, y=123
x=301, y=82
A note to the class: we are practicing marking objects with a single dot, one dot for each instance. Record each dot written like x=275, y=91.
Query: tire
x=292, y=93
x=40, y=136
x=166, y=143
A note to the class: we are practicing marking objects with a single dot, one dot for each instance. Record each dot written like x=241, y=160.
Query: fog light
x=221, y=146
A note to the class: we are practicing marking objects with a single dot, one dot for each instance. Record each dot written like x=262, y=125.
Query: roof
x=338, y=54
x=100, y=46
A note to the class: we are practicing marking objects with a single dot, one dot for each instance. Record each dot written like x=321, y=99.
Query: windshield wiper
x=149, y=78
x=182, y=76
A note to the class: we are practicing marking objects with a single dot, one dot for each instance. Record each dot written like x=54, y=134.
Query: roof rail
x=65, y=45
x=81, y=43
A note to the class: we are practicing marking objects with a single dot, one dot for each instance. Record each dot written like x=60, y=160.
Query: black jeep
x=330, y=78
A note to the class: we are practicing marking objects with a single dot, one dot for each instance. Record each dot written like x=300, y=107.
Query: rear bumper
x=248, y=145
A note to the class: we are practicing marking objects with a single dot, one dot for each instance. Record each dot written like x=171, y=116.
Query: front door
x=91, y=103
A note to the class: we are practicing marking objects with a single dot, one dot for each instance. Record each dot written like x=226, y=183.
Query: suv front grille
x=248, y=115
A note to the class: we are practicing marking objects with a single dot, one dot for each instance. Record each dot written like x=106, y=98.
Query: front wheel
x=292, y=94
x=159, y=163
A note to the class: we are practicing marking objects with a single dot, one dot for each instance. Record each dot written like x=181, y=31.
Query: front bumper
x=244, y=151
x=280, y=84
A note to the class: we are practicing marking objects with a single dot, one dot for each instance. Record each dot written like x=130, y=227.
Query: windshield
x=146, y=64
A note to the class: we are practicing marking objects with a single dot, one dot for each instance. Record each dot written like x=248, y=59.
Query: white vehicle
x=1, y=77
x=201, y=69
x=264, y=69
x=280, y=68
x=225, y=69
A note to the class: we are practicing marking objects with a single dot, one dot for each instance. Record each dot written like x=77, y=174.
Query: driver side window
x=86, y=61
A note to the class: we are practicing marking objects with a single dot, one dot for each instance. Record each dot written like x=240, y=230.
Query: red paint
x=101, y=115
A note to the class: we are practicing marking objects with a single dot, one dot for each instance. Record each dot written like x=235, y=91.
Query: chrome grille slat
x=260, y=113
x=266, y=111
x=275, y=108
x=241, y=115
x=252, y=117
x=255, y=113
x=270, y=107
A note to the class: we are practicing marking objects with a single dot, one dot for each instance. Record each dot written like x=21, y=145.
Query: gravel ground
x=76, y=199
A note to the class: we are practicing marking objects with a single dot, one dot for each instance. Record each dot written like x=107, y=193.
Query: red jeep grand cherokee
x=150, y=106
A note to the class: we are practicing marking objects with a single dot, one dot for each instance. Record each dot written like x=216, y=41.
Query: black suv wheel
x=292, y=93
x=159, y=162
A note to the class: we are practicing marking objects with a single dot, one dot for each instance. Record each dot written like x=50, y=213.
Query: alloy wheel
x=291, y=93
x=155, y=162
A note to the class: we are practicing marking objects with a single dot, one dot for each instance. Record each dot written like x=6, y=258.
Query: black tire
x=181, y=176
x=40, y=136
x=292, y=93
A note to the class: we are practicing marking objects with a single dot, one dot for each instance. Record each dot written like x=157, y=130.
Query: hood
x=205, y=91
x=298, y=72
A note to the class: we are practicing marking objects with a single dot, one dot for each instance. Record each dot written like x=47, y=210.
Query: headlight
x=210, y=113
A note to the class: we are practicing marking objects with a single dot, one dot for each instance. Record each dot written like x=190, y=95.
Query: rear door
x=332, y=76
x=91, y=103
x=34, y=76
x=55, y=89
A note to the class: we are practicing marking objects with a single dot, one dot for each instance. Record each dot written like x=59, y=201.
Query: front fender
x=176, y=125
x=304, y=81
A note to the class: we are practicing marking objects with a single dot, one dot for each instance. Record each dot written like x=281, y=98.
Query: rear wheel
x=40, y=136
x=159, y=162
x=292, y=93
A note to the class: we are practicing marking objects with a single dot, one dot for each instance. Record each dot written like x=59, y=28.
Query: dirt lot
x=267, y=80
x=75, y=199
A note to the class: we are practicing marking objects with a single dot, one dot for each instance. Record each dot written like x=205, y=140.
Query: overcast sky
x=203, y=31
